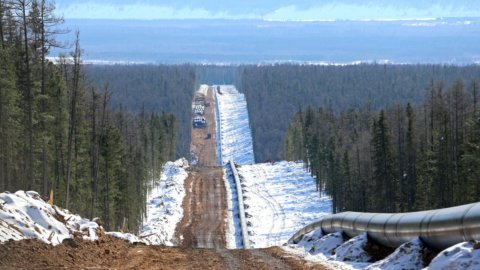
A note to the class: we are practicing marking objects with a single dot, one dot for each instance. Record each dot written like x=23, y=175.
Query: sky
x=274, y=10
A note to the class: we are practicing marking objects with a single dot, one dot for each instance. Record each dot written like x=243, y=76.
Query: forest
x=59, y=131
x=403, y=157
x=154, y=88
x=275, y=93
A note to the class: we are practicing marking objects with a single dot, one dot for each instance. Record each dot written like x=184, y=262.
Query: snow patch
x=327, y=244
x=127, y=237
x=279, y=199
x=164, y=204
x=353, y=250
x=24, y=215
x=406, y=256
x=235, y=135
x=464, y=255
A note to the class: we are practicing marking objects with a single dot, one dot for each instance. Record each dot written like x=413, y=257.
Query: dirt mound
x=77, y=253
x=109, y=252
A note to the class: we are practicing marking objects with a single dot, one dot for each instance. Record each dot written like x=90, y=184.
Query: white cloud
x=326, y=11
x=92, y=10
x=365, y=12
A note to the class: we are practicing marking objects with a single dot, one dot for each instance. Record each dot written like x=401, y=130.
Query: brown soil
x=112, y=253
x=204, y=206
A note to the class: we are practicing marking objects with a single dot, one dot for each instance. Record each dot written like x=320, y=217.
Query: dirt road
x=204, y=221
x=203, y=224
x=204, y=139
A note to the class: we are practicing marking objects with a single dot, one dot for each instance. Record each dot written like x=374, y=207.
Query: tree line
x=59, y=132
x=274, y=93
x=400, y=158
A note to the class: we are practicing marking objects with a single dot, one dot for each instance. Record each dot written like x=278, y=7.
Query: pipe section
x=438, y=229
x=241, y=209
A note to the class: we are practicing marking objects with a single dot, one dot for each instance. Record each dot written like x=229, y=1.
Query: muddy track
x=203, y=224
x=203, y=144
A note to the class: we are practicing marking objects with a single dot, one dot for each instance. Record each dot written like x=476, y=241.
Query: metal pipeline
x=241, y=209
x=438, y=229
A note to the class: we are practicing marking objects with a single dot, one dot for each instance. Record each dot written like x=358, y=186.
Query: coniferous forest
x=275, y=92
x=400, y=158
x=58, y=131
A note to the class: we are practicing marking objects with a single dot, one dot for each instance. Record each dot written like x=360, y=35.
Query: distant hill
x=453, y=41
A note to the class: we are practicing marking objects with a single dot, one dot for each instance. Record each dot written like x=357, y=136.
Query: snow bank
x=351, y=254
x=353, y=250
x=24, y=215
x=127, y=237
x=407, y=256
x=316, y=243
x=465, y=255
x=164, y=207
x=280, y=198
x=235, y=135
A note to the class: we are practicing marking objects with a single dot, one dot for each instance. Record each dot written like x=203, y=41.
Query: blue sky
x=304, y=10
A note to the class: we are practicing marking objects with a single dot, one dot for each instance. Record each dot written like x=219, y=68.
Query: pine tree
x=470, y=163
x=411, y=173
x=383, y=174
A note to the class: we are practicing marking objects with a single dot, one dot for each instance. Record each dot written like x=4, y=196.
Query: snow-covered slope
x=234, y=132
x=464, y=255
x=24, y=215
x=280, y=198
x=351, y=254
x=164, y=204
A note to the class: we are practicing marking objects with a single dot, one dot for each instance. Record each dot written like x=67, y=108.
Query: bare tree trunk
x=42, y=102
x=29, y=96
x=94, y=151
x=73, y=113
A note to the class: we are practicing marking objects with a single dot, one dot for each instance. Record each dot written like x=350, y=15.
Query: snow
x=461, y=256
x=279, y=199
x=407, y=256
x=351, y=254
x=24, y=215
x=203, y=89
x=316, y=243
x=353, y=250
x=127, y=237
x=235, y=135
x=164, y=204
x=332, y=249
